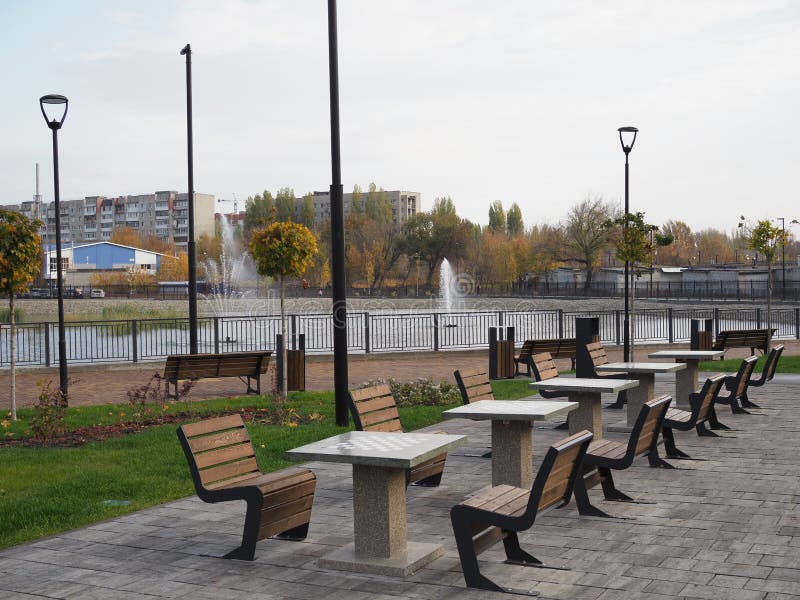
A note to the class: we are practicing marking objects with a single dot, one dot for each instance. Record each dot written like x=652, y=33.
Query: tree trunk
x=12, y=358
x=285, y=340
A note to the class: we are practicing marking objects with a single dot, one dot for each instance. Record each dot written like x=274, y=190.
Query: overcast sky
x=517, y=101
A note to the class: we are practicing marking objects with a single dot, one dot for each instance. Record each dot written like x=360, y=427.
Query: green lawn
x=47, y=490
x=787, y=364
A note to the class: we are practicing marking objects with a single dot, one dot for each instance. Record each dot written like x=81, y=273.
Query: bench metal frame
x=702, y=404
x=736, y=386
x=767, y=373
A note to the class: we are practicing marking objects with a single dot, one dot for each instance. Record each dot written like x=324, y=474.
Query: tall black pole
x=626, y=353
x=783, y=258
x=63, y=376
x=190, y=246
x=337, y=232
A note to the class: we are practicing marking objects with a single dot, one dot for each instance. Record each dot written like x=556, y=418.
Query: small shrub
x=48, y=422
x=150, y=401
x=5, y=315
x=420, y=392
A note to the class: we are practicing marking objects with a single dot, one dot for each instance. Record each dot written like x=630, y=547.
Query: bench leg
x=466, y=552
x=704, y=431
x=746, y=402
x=714, y=422
x=610, y=491
x=622, y=398
x=296, y=534
x=669, y=444
x=585, y=507
x=656, y=461
x=252, y=519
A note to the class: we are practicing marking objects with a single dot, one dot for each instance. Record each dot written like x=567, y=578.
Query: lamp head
x=52, y=104
x=627, y=137
x=187, y=49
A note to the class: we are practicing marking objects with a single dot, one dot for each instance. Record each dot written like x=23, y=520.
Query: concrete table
x=512, y=426
x=380, y=460
x=645, y=372
x=586, y=392
x=686, y=380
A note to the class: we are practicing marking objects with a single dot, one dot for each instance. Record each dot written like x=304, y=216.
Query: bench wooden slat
x=377, y=403
x=213, y=424
x=218, y=440
x=371, y=392
x=222, y=455
x=380, y=416
x=233, y=469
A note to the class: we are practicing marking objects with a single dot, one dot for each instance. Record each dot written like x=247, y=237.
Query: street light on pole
x=53, y=104
x=627, y=137
x=783, y=257
x=190, y=245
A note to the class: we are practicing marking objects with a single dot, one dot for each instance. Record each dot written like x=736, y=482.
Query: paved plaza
x=726, y=528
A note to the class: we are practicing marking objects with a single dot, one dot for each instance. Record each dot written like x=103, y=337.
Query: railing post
x=216, y=335
x=617, y=327
x=366, y=333
x=716, y=322
x=758, y=318
x=797, y=323
x=560, y=323
x=670, y=327
x=500, y=314
x=47, y=359
x=279, y=360
x=293, y=326
x=436, y=332
x=135, y=340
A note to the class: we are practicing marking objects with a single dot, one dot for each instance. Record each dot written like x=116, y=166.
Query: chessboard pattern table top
x=687, y=354
x=642, y=367
x=584, y=384
x=510, y=410
x=378, y=448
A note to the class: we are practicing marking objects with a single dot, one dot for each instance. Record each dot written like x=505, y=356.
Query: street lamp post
x=53, y=103
x=783, y=257
x=190, y=245
x=337, y=231
x=627, y=137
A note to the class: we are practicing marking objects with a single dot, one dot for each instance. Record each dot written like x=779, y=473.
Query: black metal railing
x=378, y=331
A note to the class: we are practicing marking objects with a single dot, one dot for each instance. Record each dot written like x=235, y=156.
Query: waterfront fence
x=367, y=332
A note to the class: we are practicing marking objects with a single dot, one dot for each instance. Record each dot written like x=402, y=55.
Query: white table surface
x=378, y=448
x=510, y=410
x=642, y=367
x=584, y=384
x=688, y=354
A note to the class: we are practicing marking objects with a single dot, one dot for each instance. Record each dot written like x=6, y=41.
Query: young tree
x=636, y=244
x=281, y=250
x=174, y=268
x=767, y=239
x=259, y=212
x=20, y=262
x=284, y=204
x=307, y=211
x=126, y=236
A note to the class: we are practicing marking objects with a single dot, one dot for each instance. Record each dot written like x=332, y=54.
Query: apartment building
x=163, y=214
x=404, y=205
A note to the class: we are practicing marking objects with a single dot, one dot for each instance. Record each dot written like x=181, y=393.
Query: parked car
x=40, y=293
x=73, y=293
x=97, y=293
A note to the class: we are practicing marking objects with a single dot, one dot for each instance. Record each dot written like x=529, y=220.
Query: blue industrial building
x=80, y=261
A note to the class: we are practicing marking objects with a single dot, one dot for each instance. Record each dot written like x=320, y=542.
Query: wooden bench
x=229, y=364
x=736, y=386
x=755, y=339
x=223, y=466
x=702, y=404
x=604, y=455
x=374, y=409
x=556, y=348
x=598, y=356
x=767, y=374
x=500, y=512
x=474, y=385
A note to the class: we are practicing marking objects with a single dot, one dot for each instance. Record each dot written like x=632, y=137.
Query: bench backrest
x=597, y=353
x=544, y=367
x=743, y=338
x=648, y=424
x=374, y=409
x=474, y=385
x=219, y=452
x=703, y=401
x=772, y=362
x=526, y=351
x=742, y=379
x=556, y=477
x=188, y=366
x=557, y=347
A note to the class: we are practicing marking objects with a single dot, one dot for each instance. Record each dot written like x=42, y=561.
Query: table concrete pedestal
x=686, y=383
x=636, y=398
x=380, y=546
x=588, y=415
x=512, y=453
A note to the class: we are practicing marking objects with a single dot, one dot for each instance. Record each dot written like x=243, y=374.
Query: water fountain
x=446, y=285
x=225, y=276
